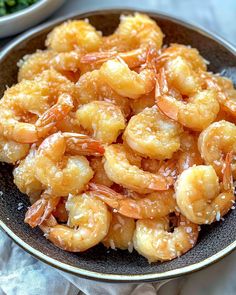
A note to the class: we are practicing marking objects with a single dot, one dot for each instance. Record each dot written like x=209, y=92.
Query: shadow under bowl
x=215, y=241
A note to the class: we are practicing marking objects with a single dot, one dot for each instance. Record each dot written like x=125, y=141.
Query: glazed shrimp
x=153, y=240
x=191, y=55
x=134, y=31
x=91, y=86
x=25, y=179
x=66, y=63
x=198, y=113
x=152, y=134
x=65, y=174
x=88, y=224
x=11, y=151
x=103, y=119
x=215, y=142
x=121, y=171
x=41, y=209
x=199, y=196
x=120, y=234
x=23, y=132
x=145, y=101
x=226, y=93
x=60, y=212
x=72, y=35
x=156, y=204
x=126, y=82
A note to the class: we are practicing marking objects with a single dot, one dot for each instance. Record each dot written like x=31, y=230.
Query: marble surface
x=219, y=17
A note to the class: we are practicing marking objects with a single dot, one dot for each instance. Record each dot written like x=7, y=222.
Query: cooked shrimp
x=126, y=82
x=72, y=35
x=25, y=179
x=91, y=86
x=199, y=112
x=22, y=132
x=198, y=194
x=215, y=142
x=156, y=204
x=153, y=239
x=88, y=224
x=120, y=234
x=139, y=30
x=66, y=63
x=11, y=151
x=100, y=175
x=178, y=50
x=121, y=171
x=65, y=174
x=41, y=209
x=103, y=119
x=152, y=134
x=226, y=93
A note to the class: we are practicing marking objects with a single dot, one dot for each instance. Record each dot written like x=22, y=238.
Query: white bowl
x=19, y=21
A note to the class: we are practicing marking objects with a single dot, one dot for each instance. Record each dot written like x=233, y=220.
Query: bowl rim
x=106, y=277
x=23, y=12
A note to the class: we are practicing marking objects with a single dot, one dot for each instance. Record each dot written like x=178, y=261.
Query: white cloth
x=21, y=274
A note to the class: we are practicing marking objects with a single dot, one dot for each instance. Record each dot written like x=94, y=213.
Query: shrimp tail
x=83, y=145
x=41, y=209
x=227, y=173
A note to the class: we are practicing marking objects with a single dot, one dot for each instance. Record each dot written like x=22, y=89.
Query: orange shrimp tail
x=165, y=104
x=55, y=114
x=227, y=173
x=83, y=145
x=97, y=57
x=41, y=210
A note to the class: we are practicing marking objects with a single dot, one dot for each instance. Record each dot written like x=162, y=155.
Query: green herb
x=11, y=6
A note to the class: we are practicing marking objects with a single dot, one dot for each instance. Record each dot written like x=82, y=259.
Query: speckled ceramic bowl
x=215, y=241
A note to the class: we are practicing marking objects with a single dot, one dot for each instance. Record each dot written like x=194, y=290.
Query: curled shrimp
x=199, y=196
x=199, y=112
x=41, y=209
x=103, y=119
x=120, y=234
x=12, y=151
x=88, y=224
x=126, y=82
x=100, y=175
x=156, y=204
x=152, y=134
x=119, y=169
x=215, y=142
x=25, y=179
x=66, y=63
x=76, y=34
x=154, y=240
x=226, y=93
x=134, y=31
x=91, y=86
x=65, y=174
x=24, y=132
x=191, y=55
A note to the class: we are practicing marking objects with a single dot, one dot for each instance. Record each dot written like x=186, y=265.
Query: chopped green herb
x=11, y=6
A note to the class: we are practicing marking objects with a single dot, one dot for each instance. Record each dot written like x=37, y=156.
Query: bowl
x=17, y=22
x=215, y=240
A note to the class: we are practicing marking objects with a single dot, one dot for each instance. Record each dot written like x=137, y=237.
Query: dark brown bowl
x=215, y=241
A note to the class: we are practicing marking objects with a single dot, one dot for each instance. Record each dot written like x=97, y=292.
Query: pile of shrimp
x=120, y=140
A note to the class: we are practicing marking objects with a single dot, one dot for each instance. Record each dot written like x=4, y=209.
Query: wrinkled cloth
x=21, y=274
